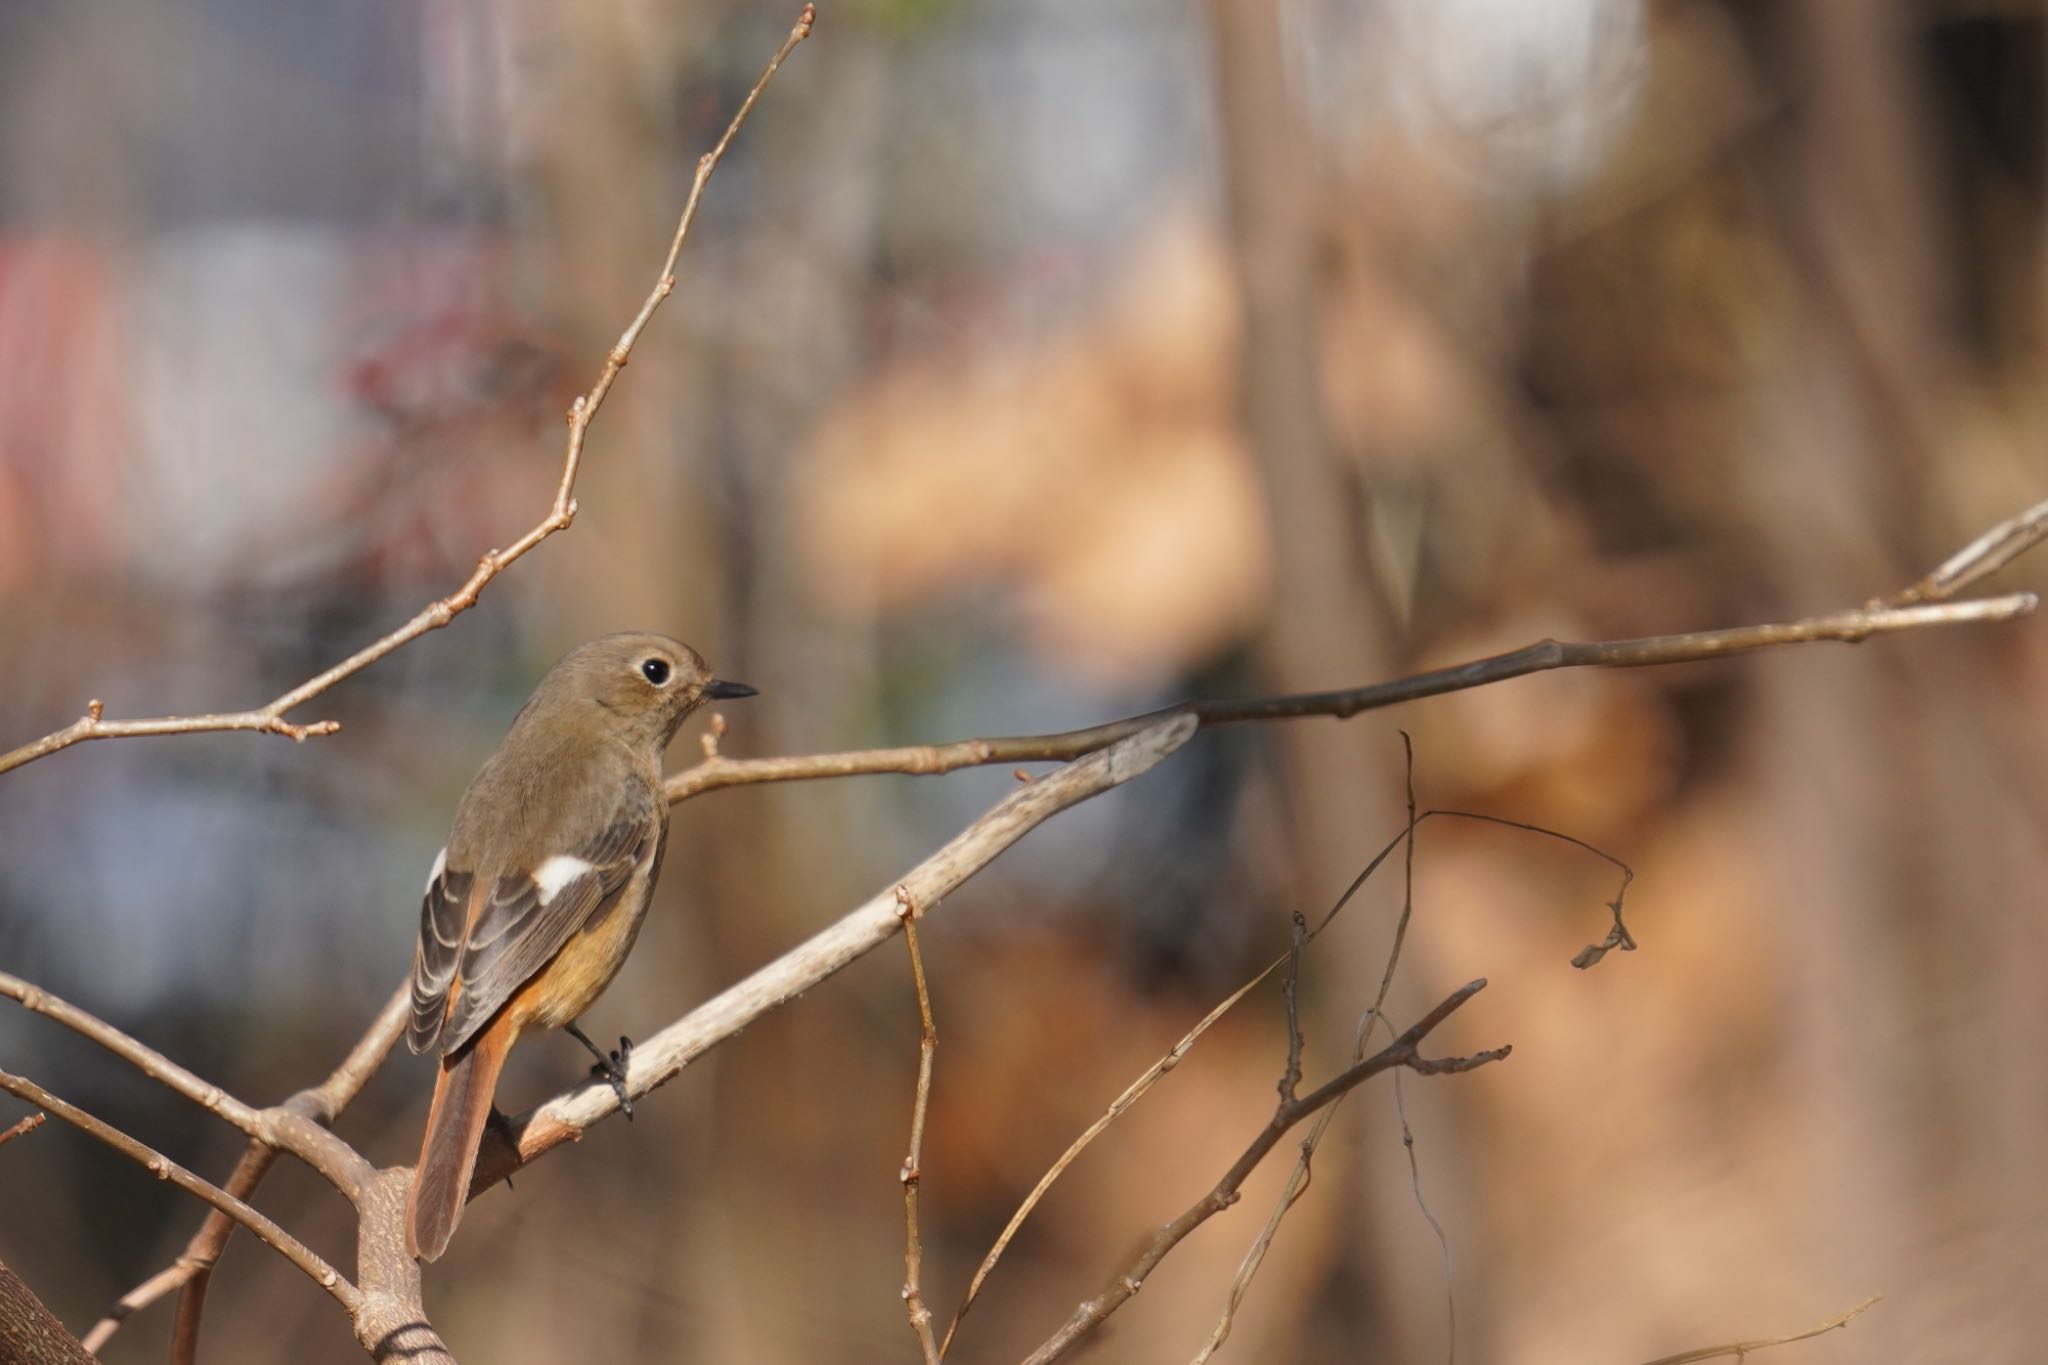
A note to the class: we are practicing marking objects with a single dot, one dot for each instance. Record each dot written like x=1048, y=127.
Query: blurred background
x=1035, y=363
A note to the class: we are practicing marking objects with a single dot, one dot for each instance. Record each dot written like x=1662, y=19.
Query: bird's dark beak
x=721, y=690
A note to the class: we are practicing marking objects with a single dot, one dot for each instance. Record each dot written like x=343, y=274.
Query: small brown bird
x=533, y=905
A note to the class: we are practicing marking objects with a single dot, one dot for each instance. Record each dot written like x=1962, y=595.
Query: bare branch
x=322, y=1104
x=392, y=1323
x=163, y=1168
x=270, y=718
x=657, y=1059
x=1981, y=558
x=1379, y=1000
x=1739, y=1349
x=320, y=1149
x=21, y=1129
x=143, y=1058
x=194, y=1267
x=1850, y=627
x=927, y=1045
x=1137, y=1088
x=1443, y=1240
x=1401, y=1052
x=1130, y=1096
x=1298, y=1179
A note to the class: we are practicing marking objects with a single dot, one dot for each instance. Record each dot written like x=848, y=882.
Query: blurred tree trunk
x=1908, y=1146
x=1327, y=626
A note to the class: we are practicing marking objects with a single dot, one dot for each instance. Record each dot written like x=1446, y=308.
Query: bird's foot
x=610, y=1065
x=613, y=1069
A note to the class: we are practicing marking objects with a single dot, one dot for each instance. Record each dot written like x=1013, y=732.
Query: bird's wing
x=527, y=916
x=444, y=912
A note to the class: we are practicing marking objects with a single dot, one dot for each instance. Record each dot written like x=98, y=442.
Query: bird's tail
x=455, y=1126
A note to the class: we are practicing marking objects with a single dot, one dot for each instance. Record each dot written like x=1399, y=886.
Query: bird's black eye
x=655, y=671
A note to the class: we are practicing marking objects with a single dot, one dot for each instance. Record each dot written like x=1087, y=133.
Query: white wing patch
x=557, y=872
x=440, y=866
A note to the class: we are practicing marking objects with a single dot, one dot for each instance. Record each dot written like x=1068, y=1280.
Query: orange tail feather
x=455, y=1127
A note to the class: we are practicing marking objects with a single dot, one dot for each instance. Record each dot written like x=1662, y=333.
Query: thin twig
x=1137, y=1088
x=1131, y=1095
x=1135, y=1091
x=21, y=1129
x=193, y=1269
x=924, y=759
x=163, y=1168
x=1298, y=1179
x=1379, y=1000
x=1091, y=1313
x=321, y=1104
x=1443, y=1240
x=912, y=1172
x=1739, y=1349
x=1290, y=1079
x=326, y=1153
x=142, y=1057
x=270, y=718
x=1981, y=558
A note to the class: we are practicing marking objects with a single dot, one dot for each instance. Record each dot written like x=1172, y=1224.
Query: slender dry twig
x=270, y=718
x=1981, y=558
x=1443, y=1240
x=1298, y=1182
x=286, y=1126
x=1914, y=607
x=25, y=1126
x=1740, y=1349
x=142, y=1057
x=912, y=1173
x=1137, y=1088
x=1403, y=1051
x=1379, y=1000
x=1131, y=1095
x=326, y=1153
x=163, y=1168
x=1298, y=1179
x=321, y=1104
x=1617, y=937
x=659, y=1058
x=1135, y=1091
x=193, y=1269
x=924, y=759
